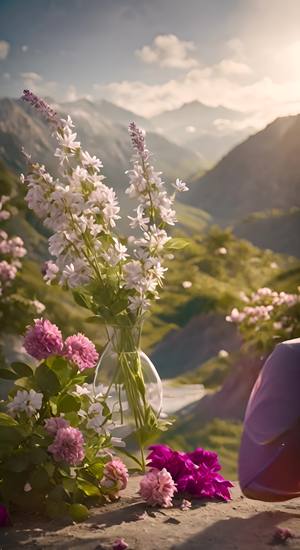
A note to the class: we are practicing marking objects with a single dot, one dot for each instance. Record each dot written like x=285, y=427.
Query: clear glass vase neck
x=124, y=338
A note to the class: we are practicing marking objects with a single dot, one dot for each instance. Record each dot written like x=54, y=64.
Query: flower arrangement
x=194, y=474
x=114, y=277
x=267, y=317
x=56, y=436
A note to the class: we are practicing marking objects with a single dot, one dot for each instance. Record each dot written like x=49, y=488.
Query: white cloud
x=31, y=77
x=234, y=68
x=167, y=50
x=263, y=97
x=71, y=93
x=4, y=49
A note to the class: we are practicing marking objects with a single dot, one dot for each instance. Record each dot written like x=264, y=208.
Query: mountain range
x=208, y=131
x=262, y=173
x=256, y=177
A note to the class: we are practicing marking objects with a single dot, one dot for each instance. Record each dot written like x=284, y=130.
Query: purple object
x=270, y=448
x=5, y=520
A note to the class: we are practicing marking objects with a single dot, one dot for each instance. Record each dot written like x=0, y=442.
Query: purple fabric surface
x=271, y=433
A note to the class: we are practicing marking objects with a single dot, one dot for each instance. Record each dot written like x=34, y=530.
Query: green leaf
x=70, y=484
x=68, y=403
x=177, y=243
x=88, y=488
x=7, y=420
x=37, y=455
x=63, y=370
x=39, y=478
x=56, y=509
x=47, y=380
x=80, y=299
x=97, y=469
x=24, y=383
x=22, y=369
x=97, y=319
x=78, y=512
x=18, y=462
x=10, y=434
x=57, y=494
x=7, y=374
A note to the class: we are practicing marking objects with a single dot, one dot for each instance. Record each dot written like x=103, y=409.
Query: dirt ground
x=238, y=525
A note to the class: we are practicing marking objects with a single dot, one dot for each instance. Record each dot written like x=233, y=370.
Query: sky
x=155, y=55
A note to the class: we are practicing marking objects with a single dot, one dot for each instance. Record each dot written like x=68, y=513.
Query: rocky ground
x=238, y=525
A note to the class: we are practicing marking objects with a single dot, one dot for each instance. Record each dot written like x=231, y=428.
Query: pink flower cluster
x=115, y=475
x=44, y=339
x=157, y=488
x=194, y=473
x=11, y=251
x=68, y=446
x=262, y=305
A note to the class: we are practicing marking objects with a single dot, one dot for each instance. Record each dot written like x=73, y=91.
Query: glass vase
x=131, y=383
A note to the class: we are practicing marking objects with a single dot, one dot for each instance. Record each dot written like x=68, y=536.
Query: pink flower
x=115, y=475
x=158, y=488
x=5, y=520
x=120, y=544
x=68, y=446
x=54, y=424
x=8, y=271
x=81, y=351
x=43, y=339
x=185, y=505
x=281, y=535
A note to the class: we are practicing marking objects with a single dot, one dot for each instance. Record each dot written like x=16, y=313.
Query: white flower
x=115, y=253
x=90, y=162
x=27, y=487
x=180, y=186
x=76, y=273
x=223, y=354
x=29, y=402
x=50, y=271
x=83, y=390
x=96, y=420
x=187, y=284
x=168, y=215
x=139, y=220
x=133, y=273
x=154, y=239
x=138, y=303
x=222, y=251
x=39, y=307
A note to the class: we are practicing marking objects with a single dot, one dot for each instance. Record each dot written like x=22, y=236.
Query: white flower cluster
x=82, y=212
x=94, y=416
x=24, y=401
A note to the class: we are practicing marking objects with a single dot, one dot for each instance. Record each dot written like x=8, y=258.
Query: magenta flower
x=54, y=424
x=157, y=488
x=81, y=351
x=194, y=473
x=115, y=475
x=68, y=446
x=5, y=520
x=43, y=339
x=120, y=544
